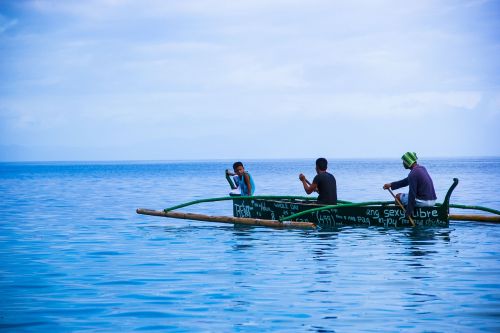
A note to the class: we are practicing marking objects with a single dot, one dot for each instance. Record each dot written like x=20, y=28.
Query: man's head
x=321, y=164
x=409, y=159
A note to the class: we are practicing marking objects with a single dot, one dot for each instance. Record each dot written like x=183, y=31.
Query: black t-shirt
x=327, y=188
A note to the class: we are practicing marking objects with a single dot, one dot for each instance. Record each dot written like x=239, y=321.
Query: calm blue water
x=76, y=257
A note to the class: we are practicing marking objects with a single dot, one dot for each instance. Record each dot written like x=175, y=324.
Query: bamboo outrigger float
x=301, y=212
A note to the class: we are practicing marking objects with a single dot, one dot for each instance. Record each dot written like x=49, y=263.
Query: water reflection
x=244, y=237
x=324, y=243
x=422, y=241
x=320, y=329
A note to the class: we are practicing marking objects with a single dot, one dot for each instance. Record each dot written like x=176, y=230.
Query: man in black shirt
x=324, y=183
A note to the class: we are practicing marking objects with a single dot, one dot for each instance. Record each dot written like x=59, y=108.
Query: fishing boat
x=304, y=212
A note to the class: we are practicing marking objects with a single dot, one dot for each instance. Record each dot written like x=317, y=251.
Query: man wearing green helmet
x=421, y=191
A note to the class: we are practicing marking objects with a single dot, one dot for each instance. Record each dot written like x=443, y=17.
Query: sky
x=248, y=79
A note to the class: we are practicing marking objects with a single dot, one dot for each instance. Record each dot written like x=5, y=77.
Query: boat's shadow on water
x=406, y=242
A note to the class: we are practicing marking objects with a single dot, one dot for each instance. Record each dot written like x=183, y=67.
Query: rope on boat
x=275, y=197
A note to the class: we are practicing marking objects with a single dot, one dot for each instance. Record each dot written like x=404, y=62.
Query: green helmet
x=409, y=158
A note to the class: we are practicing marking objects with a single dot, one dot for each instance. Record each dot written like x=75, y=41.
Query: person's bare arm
x=308, y=187
x=246, y=178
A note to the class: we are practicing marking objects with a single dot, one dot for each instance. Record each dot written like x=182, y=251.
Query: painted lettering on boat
x=368, y=216
x=262, y=210
x=281, y=205
x=324, y=218
x=420, y=213
x=364, y=220
x=286, y=205
x=430, y=222
x=389, y=222
x=394, y=213
x=373, y=212
x=242, y=210
x=347, y=218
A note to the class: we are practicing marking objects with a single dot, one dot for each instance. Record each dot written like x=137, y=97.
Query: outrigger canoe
x=303, y=212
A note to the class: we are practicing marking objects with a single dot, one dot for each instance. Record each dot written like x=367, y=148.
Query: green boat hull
x=381, y=214
x=387, y=215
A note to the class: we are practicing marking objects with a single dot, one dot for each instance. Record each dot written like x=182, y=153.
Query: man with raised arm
x=324, y=183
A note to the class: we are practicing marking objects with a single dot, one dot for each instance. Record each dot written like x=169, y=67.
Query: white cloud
x=157, y=71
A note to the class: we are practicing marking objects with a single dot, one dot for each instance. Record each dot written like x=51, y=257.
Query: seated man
x=324, y=183
x=421, y=191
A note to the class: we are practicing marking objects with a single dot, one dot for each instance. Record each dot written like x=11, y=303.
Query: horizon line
x=250, y=159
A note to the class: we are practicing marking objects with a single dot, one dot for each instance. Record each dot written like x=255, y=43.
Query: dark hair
x=322, y=163
x=237, y=164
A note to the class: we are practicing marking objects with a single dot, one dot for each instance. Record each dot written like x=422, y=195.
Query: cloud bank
x=126, y=80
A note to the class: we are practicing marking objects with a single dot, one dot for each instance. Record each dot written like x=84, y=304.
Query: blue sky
x=213, y=79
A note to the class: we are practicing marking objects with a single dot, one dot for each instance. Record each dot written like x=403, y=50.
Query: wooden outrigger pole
x=228, y=219
x=475, y=218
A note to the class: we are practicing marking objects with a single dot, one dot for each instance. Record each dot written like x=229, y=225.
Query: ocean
x=75, y=256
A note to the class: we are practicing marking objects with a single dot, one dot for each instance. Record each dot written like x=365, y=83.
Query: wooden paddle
x=402, y=207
